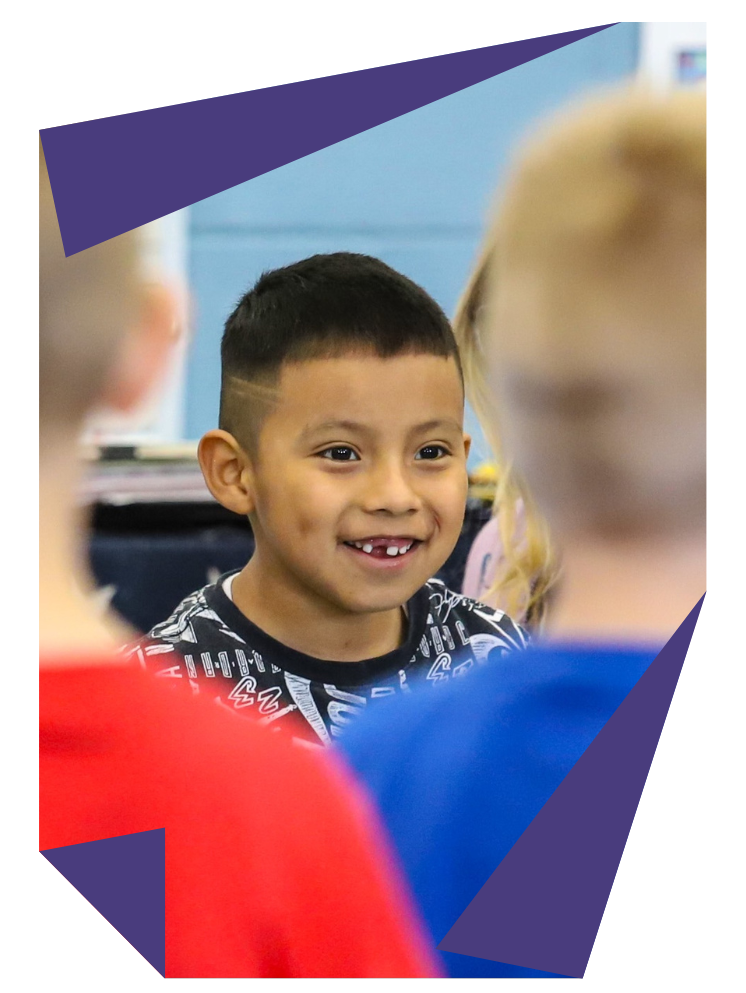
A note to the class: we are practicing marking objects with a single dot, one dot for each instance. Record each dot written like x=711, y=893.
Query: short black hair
x=323, y=307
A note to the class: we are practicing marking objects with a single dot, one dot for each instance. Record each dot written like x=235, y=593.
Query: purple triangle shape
x=124, y=878
x=116, y=173
x=543, y=905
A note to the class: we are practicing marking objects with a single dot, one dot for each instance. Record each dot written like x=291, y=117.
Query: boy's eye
x=432, y=452
x=340, y=453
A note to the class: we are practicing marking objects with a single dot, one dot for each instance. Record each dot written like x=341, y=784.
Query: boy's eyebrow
x=352, y=426
x=444, y=422
x=355, y=426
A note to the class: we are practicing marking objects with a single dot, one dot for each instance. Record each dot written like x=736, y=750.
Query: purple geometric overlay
x=116, y=173
x=542, y=907
x=124, y=878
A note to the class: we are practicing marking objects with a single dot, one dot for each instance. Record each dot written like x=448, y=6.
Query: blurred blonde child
x=513, y=564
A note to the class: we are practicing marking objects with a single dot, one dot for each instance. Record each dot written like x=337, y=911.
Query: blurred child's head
x=595, y=310
x=103, y=333
x=341, y=430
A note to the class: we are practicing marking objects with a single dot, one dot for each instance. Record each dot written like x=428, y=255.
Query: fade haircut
x=326, y=306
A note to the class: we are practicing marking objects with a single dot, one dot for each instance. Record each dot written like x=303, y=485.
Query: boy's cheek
x=310, y=486
x=449, y=511
x=455, y=492
x=318, y=473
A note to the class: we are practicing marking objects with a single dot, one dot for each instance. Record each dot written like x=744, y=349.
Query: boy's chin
x=376, y=602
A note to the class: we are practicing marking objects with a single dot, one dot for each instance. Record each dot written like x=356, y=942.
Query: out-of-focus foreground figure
x=596, y=311
x=594, y=318
x=272, y=868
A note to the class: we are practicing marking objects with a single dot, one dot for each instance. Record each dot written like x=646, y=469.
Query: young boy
x=341, y=438
x=271, y=866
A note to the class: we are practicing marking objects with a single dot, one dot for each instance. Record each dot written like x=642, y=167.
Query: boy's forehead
x=367, y=388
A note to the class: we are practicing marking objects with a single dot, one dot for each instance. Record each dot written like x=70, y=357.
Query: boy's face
x=359, y=478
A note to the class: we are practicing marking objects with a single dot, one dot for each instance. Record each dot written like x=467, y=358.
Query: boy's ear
x=227, y=471
x=467, y=445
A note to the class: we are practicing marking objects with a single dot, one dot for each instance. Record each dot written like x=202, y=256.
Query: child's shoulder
x=445, y=602
x=471, y=617
x=196, y=616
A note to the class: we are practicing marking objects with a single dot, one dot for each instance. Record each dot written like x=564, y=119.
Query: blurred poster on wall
x=692, y=66
x=159, y=420
x=673, y=53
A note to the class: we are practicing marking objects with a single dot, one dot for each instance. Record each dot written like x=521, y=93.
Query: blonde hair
x=604, y=205
x=86, y=301
x=529, y=565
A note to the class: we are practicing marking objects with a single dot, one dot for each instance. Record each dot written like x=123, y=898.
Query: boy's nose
x=388, y=491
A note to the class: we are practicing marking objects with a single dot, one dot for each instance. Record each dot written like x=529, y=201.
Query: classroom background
x=415, y=192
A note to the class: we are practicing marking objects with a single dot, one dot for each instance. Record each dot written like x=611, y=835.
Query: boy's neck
x=71, y=631
x=309, y=624
x=636, y=591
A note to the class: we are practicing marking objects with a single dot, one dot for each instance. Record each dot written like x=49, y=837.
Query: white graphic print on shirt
x=208, y=642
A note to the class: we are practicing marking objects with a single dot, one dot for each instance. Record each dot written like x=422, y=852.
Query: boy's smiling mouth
x=386, y=547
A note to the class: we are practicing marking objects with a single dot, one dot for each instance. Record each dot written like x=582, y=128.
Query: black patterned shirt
x=211, y=645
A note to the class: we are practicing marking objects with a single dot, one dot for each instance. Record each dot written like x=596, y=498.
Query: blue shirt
x=459, y=775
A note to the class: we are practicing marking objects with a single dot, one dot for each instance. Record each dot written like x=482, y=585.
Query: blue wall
x=413, y=192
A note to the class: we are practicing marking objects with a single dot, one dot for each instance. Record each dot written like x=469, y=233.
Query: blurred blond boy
x=590, y=294
x=283, y=858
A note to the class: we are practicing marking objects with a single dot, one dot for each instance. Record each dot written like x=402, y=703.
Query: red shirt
x=262, y=835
